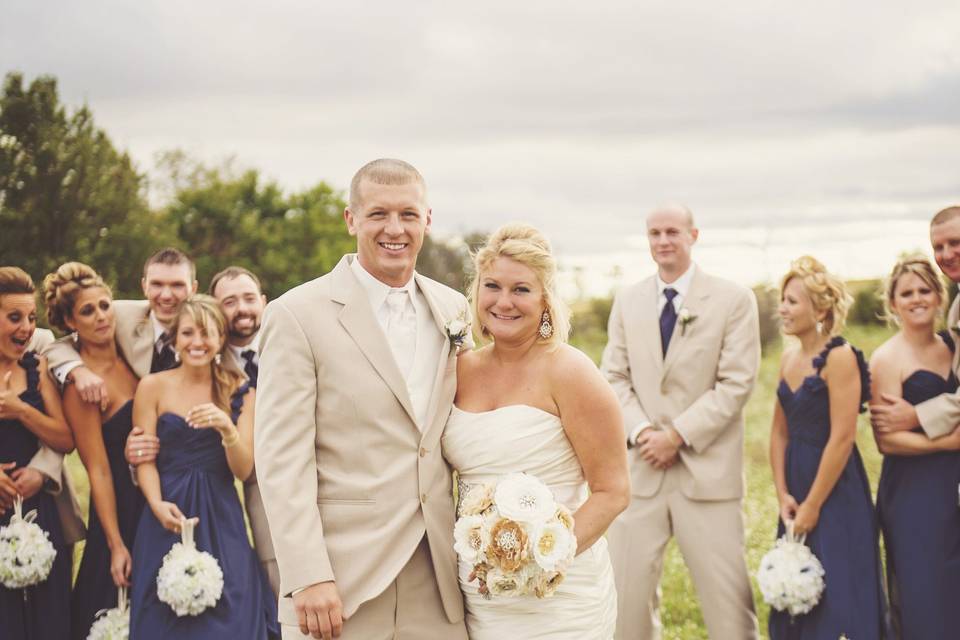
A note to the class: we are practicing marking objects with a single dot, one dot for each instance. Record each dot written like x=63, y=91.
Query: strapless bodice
x=484, y=446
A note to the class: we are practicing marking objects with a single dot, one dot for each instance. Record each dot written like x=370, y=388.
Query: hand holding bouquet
x=790, y=576
x=189, y=580
x=26, y=553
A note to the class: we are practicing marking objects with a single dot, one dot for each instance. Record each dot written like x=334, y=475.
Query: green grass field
x=680, y=609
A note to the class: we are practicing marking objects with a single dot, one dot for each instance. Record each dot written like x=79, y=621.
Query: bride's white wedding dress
x=482, y=447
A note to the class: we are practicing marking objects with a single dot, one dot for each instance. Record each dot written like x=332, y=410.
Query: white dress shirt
x=414, y=337
x=253, y=345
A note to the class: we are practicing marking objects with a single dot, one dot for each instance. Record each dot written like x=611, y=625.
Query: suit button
x=423, y=452
x=423, y=498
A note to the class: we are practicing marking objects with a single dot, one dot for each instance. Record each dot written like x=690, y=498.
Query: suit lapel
x=695, y=304
x=445, y=352
x=358, y=319
x=141, y=351
x=648, y=318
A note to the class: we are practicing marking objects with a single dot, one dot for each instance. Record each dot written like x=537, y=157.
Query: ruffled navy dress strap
x=821, y=360
x=31, y=364
x=236, y=400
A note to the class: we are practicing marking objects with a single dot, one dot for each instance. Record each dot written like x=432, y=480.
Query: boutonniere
x=457, y=332
x=685, y=318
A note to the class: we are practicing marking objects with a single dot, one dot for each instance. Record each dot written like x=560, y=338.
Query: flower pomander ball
x=112, y=624
x=26, y=553
x=190, y=581
x=790, y=576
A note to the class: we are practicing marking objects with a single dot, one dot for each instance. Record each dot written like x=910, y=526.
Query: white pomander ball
x=790, y=576
x=26, y=553
x=190, y=580
x=112, y=624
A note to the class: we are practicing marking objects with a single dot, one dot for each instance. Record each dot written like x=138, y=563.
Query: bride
x=528, y=402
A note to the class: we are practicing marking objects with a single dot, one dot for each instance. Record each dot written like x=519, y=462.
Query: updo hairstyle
x=15, y=280
x=526, y=245
x=826, y=292
x=62, y=288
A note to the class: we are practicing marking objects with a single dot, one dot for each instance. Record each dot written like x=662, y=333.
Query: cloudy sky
x=830, y=128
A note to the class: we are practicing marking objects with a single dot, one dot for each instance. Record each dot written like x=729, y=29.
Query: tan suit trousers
x=409, y=609
x=711, y=539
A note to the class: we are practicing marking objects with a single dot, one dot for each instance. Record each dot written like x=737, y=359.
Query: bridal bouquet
x=518, y=539
x=790, y=576
x=26, y=553
x=189, y=580
x=112, y=624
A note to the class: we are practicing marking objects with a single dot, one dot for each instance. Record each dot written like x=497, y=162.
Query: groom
x=357, y=377
x=682, y=356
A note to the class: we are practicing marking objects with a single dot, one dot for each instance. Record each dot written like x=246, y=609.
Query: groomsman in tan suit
x=357, y=378
x=242, y=301
x=682, y=356
x=937, y=416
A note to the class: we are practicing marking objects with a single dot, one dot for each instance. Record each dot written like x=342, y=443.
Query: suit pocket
x=346, y=501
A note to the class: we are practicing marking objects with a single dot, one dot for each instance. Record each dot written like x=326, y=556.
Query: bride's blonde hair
x=526, y=245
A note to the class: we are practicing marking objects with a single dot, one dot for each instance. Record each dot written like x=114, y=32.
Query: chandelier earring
x=176, y=355
x=546, y=329
x=819, y=327
x=217, y=358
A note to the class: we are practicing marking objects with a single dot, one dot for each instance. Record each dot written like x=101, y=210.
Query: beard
x=236, y=331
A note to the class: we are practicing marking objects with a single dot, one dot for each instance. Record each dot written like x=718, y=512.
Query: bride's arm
x=594, y=424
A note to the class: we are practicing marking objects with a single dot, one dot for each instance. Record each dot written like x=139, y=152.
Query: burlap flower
x=508, y=545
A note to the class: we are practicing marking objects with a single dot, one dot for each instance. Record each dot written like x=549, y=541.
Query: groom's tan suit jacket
x=939, y=416
x=700, y=388
x=351, y=483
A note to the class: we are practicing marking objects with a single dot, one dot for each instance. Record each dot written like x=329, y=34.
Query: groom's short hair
x=385, y=171
x=946, y=215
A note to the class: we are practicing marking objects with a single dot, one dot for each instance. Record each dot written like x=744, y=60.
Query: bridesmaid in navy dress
x=821, y=483
x=30, y=413
x=201, y=452
x=79, y=302
x=917, y=497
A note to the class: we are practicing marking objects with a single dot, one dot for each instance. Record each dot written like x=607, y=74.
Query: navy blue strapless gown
x=94, y=589
x=917, y=503
x=43, y=610
x=194, y=475
x=846, y=538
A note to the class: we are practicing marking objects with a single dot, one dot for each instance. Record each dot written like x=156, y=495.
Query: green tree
x=65, y=192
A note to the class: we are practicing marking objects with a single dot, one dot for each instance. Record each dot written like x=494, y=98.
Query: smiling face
x=166, y=286
x=92, y=317
x=18, y=321
x=796, y=309
x=945, y=238
x=242, y=305
x=197, y=343
x=389, y=222
x=510, y=301
x=915, y=302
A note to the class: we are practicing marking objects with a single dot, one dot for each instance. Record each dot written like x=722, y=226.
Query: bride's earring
x=546, y=329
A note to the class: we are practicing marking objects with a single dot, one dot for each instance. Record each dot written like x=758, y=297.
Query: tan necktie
x=402, y=329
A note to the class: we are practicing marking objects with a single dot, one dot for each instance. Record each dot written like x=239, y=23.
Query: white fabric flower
x=524, y=498
x=553, y=546
x=26, y=553
x=477, y=499
x=190, y=581
x=470, y=538
x=791, y=577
